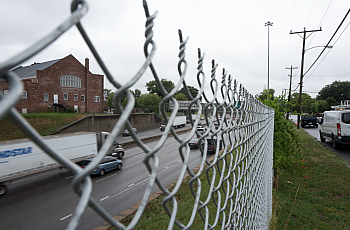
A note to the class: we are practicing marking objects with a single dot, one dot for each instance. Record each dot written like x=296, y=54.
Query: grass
x=314, y=194
x=44, y=123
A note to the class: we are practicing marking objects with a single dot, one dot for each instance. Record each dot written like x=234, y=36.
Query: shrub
x=286, y=144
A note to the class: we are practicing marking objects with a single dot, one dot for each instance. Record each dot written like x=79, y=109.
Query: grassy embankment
x=44, y=123
x=312, y=195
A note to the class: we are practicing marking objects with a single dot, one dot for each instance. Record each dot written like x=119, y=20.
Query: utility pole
x=290, y=85
x=302, y=67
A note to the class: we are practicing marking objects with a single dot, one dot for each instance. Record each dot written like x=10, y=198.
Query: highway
x=47, y=201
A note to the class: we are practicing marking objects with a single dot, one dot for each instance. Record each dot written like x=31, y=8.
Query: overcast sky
x=230, y=31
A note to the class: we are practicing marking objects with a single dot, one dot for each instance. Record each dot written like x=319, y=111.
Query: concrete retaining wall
x=140, y=121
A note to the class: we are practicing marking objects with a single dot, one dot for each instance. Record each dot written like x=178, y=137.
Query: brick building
x=57, y=85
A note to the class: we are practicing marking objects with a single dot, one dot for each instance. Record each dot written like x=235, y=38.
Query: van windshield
x=345, y=118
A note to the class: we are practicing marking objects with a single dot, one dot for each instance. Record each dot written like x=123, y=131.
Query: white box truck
x=22, y=157
x=335, y=126
x=179, y=121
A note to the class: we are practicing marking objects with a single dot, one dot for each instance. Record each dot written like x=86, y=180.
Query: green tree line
x=329, y=95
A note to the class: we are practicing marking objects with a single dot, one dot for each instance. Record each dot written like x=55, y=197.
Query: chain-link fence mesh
x=239, y=127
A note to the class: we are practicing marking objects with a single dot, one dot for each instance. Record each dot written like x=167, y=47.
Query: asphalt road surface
x=47, y=201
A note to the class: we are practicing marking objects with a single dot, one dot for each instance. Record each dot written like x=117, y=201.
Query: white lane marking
x=66, y=217
x=105, y=178
x=69, y=177
x=137, y=183
x=104, y=198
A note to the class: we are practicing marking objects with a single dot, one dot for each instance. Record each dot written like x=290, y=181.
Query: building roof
x=30, y=71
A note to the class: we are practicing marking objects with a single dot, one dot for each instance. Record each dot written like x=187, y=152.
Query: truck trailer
x=22, y=157
x=179, y=121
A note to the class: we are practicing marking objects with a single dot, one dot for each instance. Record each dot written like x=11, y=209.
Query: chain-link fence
x=239, y=128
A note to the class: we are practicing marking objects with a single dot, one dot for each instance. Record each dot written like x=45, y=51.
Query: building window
x=97, y=99
x=82, y=98
x=24, y=94
x=70, y=81
x=75, y=97
x=65, y=96
x=46, y=97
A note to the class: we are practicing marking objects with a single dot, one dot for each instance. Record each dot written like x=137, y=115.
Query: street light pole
x=268, y=24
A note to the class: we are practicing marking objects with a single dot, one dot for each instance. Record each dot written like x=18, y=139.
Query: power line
x=328, y=52
x=321, y=21
x=328, y=42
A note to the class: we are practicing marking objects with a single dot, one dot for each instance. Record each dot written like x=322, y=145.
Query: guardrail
x=241, y=187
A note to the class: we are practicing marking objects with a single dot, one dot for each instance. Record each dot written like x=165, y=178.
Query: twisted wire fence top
x=239, y=174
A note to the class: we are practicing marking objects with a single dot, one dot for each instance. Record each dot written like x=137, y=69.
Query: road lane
x=46, y=201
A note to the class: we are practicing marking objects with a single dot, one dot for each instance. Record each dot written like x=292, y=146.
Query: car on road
x=335, y=126
x=127, y=133
x=201, y=131
x=212, y=145
x=309, y=120
x=107, y=164
x=216, y=125
x=193, y=144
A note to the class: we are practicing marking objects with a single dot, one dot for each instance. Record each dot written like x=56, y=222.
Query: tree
x=181, y=97
x=331, y=101
x=265, y=94
x=339, y=90
x=106, y=93
x=306, y=102
x=192, y=90
x=137, y=93
x=110, y=100
x=320, y=106
x=150, y=101
x=152, y=87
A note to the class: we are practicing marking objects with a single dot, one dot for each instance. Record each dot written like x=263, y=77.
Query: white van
x=335, y=126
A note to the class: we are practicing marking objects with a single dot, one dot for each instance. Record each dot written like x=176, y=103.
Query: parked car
x=107, y=164
x=309, y=120
x=126, y=132
x=193, y=144
x=335, y=126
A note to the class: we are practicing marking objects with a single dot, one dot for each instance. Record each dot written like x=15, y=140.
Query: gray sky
x=231, y=32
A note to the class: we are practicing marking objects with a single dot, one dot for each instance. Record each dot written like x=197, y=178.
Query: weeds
x=314, y=194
